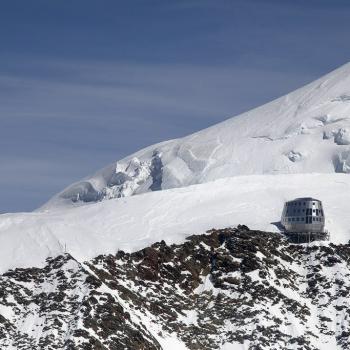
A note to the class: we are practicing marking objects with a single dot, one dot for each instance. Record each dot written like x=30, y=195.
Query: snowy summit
x=306, y=131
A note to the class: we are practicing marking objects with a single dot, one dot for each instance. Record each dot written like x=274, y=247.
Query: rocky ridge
x=225, y=288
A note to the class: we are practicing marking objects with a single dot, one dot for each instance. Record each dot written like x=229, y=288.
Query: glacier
x=306, y=131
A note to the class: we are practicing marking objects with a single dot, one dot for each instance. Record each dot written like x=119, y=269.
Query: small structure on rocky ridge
x=303, y=220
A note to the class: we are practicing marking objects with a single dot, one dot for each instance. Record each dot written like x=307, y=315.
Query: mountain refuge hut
x=303, y=220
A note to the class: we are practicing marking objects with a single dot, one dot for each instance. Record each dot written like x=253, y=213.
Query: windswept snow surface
x=306, y=131
x=132, y=223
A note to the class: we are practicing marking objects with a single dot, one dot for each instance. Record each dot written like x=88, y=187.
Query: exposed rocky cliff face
x=221, y=289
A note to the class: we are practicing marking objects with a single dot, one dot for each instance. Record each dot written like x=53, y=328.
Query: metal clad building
x=303, y=215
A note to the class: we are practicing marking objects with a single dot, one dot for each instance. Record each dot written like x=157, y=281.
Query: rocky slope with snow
x=227, y=289
x=306, y=131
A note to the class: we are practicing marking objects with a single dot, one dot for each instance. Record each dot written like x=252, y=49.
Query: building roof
x=304, y=199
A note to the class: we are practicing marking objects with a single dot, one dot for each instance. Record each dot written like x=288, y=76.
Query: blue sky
x=84, y=83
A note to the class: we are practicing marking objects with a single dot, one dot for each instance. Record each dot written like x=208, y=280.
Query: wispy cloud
x=63, y=120
x=82, y=84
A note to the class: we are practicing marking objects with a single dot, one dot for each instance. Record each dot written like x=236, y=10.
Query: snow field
x=132, y=223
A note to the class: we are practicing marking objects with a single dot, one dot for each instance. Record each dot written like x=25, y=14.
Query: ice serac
x=306, y=131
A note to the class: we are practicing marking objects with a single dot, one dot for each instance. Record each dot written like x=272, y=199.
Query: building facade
x=303, y=215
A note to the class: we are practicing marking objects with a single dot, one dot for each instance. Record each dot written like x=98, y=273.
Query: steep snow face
x=305, y=131
x=132, y=223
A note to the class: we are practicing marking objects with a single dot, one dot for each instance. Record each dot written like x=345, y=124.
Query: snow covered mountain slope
x=305, y=131
x=85, y=273
x=132, y=223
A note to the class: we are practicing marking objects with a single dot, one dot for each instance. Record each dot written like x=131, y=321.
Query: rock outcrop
x=230, y=286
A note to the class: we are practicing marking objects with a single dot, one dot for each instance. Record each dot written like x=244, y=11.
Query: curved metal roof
x=304, y=199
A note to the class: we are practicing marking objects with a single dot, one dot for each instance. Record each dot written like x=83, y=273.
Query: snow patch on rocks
x=227, y=289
